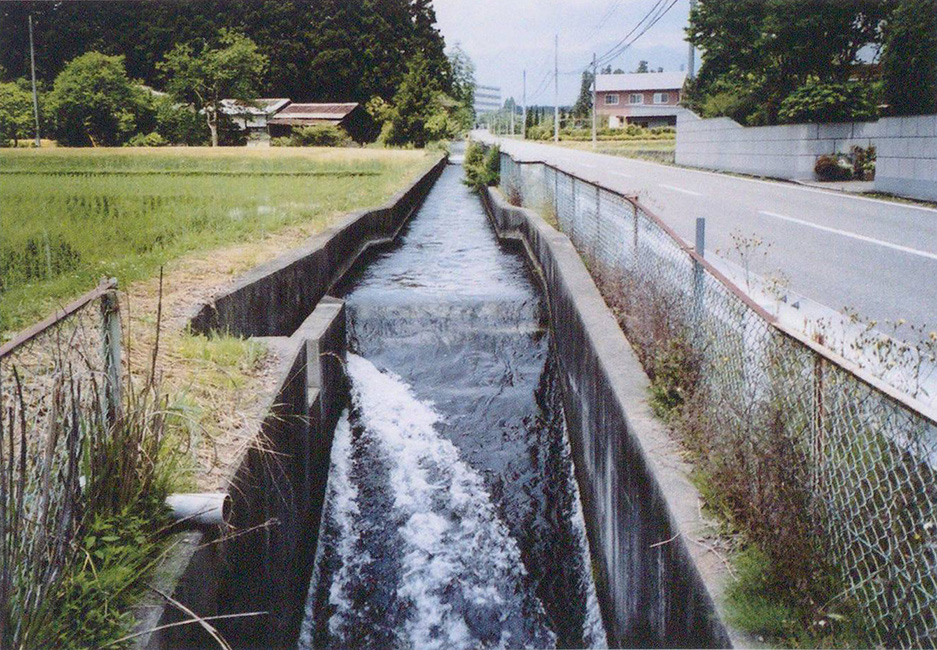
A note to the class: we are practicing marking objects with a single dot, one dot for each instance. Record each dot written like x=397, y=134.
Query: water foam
x=461, y=571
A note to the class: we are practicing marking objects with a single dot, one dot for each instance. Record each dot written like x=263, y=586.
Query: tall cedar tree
x=319, y=50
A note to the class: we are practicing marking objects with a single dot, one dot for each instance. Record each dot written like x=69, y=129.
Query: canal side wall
x=264, y=559
x=642, y=515
x=274, y=298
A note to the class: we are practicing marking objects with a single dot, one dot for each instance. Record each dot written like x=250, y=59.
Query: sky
x=503, y=37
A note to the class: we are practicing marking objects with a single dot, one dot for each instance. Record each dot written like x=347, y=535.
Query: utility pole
x=691, y=58
x=595, y=106
x=524, y=120
x=556, y=88
x=32, y=61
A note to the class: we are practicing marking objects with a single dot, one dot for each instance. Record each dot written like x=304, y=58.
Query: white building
x=487, y=99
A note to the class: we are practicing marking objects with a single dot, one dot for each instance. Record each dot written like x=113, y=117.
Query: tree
x=94, y=102
x=909, y=58
x=642, y=67
x=848, y=101
x=583, y=105
x=463, y=76
x=15, y=113
x=319, y=50
x=413, y=106
x=763, y=50
x=230, y=71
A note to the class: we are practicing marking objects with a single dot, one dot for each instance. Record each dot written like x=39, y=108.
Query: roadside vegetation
x=852, y=60
x=482, y=165
x=72, y=216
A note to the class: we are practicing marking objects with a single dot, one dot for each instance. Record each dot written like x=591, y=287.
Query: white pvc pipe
x=202, y=509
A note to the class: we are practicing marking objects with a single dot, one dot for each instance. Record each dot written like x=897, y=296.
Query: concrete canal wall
x=640, y=508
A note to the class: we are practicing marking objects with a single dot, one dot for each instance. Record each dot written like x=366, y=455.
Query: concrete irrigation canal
x=452, y=459
x=452, y=517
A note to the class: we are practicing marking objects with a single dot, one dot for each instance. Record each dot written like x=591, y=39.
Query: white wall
x=907, y=156
x=906, y=146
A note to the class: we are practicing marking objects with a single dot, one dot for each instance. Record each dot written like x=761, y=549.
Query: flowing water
x=452, y=517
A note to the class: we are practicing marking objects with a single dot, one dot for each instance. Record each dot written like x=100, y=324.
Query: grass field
x=656, y=150
x=70, y=217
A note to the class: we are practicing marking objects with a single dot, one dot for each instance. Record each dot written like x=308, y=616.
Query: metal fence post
x=111, y=352
x=698, y=274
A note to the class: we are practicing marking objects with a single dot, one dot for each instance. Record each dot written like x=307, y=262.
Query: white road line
x=586, y=165
x=622, y=174
x=679, y=189
x=777, y=184
x=852, y=235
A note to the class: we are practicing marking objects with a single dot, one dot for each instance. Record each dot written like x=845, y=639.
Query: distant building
x=647, y=99
x=487, y=99
x=253, y=116
x=350, y=116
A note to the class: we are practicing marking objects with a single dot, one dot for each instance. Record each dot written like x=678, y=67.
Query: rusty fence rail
x=865, y=452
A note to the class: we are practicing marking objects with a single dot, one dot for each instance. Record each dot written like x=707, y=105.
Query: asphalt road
x=876, y=257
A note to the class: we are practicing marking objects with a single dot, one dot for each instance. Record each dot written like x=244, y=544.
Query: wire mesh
x=858, y=463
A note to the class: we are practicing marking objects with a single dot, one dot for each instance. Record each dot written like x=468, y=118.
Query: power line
x=653, y=8
x=616, y=52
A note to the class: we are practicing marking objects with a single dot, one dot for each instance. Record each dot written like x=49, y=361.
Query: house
x=350, y=116
x=648, y=99
x=252, y=116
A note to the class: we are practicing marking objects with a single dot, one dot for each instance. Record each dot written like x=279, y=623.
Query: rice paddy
x=70, y=217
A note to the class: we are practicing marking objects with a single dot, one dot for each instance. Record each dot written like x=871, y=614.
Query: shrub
x=829, y=102
x=863, y=162
x=833, y=168
x=319, y=135
x=482, y=169
x=153, y=139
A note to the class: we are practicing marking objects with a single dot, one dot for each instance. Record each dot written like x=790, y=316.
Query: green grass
x=70, y=217
x=656, y=150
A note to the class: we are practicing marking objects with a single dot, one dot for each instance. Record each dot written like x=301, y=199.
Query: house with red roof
x=648, y=99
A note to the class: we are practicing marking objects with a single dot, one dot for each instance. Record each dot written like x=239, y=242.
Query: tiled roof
x=638, y=81
x=330, y=112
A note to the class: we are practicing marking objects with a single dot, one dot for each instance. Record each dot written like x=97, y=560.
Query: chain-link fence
x=814, y=457
x=59, y=381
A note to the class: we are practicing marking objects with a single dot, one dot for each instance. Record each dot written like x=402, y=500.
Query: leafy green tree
x=180, y=123
x=828, y=102
x=94, y=102
x=763, y=50
x=642, y=67
x=15, y=113
x=232, y=70
x=909, y=58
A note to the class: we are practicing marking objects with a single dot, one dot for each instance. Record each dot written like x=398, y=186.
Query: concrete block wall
x=907, y=156
x=906, y=148
x=787, y=151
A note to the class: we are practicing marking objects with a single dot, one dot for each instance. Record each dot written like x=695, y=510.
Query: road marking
x=679, y=189
x=587, y=165
x=852, y=235
x=622, y=174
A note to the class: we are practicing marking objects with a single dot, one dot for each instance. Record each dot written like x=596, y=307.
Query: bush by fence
x=79, y=452
x=830, y=471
